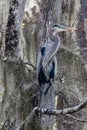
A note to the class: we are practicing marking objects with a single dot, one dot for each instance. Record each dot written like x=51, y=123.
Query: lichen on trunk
x=13, y=45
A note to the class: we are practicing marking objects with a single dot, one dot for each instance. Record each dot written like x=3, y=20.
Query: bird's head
x=61, y=28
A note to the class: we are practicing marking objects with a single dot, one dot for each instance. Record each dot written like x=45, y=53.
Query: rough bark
x=55, y=112
x=13, y=46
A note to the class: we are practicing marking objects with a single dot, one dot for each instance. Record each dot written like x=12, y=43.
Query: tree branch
x=30, y=64
x=55, y=112
x=64, y=111
x=28, y=118
x=76, y=118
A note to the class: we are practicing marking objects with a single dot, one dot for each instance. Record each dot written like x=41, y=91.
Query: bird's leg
x=46, y=90
x=52, y=95
x=42, y=98
x=40, y=88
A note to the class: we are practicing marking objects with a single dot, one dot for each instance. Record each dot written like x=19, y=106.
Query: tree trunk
x=13, y=43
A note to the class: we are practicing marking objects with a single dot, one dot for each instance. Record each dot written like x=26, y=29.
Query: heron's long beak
x=71, y=28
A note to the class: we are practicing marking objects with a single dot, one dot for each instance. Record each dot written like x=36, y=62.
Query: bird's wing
x=50, y=51
x=43, y=60
x=39, y=57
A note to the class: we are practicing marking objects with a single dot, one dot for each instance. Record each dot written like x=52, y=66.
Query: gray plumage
x=49, y=55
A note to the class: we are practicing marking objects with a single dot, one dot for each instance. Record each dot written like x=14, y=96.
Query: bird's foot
x=41, y=110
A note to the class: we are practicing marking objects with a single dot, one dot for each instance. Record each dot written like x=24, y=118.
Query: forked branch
x=52, y=112
x=64, y=111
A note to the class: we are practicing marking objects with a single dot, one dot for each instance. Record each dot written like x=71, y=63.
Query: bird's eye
x=56, y=26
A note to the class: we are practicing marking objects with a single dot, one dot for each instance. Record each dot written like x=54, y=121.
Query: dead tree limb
x=28, y=119
x=64, y=111
x=30, y=64
x=53, y=112
x=76, y=118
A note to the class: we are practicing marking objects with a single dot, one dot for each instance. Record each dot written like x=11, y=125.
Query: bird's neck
x=55, y=38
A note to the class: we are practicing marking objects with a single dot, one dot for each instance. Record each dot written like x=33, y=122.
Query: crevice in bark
x=11, y=40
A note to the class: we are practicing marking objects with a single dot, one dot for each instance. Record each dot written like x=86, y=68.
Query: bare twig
x=30, y=85
x=72, y=31
x=75, y=20
x=64, y=111
x=55, y=112
x=30, y=64
x=28, y=119
x=83, y=49
x=77, y=119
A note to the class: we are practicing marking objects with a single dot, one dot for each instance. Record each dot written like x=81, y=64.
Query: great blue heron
x=46, y=60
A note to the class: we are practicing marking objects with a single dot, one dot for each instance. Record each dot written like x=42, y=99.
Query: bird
x=46, y=67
